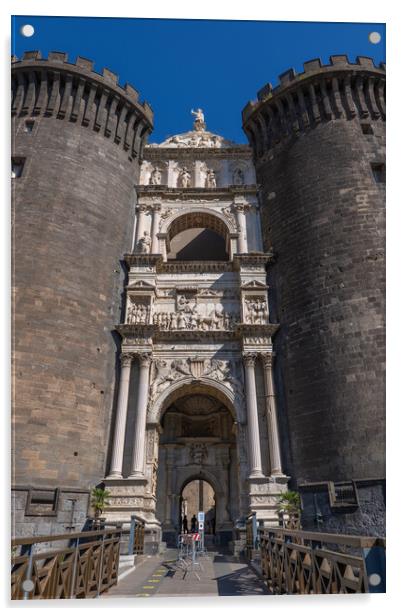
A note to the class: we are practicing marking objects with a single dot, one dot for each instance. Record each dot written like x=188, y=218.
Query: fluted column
x=169, y=495
x=241, y=227
x=139, y=230
x=137, y=466
x=253, y=430
x=116, y=466
x=272, y=418
x=156, y=216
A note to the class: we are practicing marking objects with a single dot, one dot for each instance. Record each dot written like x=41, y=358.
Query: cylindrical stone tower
x=319, y=146
x=77, y=142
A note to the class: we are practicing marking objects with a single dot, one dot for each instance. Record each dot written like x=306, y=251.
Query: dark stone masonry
x=79, y=136
x=319, y=148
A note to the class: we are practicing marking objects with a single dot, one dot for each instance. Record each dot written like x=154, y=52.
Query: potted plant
x=289, y=509
x=99, y=500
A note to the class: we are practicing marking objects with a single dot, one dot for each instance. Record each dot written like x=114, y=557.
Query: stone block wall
x=319, y=146
x=79, y=137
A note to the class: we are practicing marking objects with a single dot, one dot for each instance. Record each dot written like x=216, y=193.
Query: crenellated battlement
x=339, y=90
x=75, y=92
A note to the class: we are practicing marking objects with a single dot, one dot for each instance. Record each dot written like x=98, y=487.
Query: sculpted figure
x=163, y=374
x=173, y=321
x=217, y=369
x=144, y=243
x=181, y=321
x=211, y=179
x=181, y=366
x=184, y=178
x=199, y=120
x=238, y=177
x=156, y=176
x=193, y=321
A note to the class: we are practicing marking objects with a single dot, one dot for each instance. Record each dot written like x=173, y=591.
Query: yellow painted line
x=142, y=595
x=153, y=580
x=148, y=587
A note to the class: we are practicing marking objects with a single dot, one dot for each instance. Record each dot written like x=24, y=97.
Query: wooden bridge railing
x=81, y=565
x=133, y=534
x=300, y=562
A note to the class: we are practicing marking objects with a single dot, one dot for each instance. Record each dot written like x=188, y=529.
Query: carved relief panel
x=255, y=303
x=196, y=310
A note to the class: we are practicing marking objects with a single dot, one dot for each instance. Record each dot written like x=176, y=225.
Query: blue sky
x=181, y=64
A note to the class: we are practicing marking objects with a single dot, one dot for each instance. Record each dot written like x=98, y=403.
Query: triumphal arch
x=196, y=398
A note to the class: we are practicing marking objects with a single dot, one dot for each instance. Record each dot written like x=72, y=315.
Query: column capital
x=126, y=358
x=144, y=358
x=141, y=207
x=249, y=359
x=268, y=359
x=241, y=207
x=156, y=206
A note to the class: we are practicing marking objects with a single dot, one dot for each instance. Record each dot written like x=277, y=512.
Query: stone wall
x=80, y=137
x=316, y=138
x=368, y=518
x=70, y=513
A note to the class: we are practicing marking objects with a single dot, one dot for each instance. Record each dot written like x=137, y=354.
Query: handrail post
x=287, y=539
x=375, y=568
x=132, y=535
x=74, y=573
x=28, y=574
x=100, y=576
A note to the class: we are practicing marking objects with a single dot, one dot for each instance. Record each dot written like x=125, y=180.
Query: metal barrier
x=300, y=562
x=252, y=541
x=84, y=567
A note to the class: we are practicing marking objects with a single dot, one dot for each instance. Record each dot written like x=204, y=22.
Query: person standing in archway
x=185, y=525
x=194, y=524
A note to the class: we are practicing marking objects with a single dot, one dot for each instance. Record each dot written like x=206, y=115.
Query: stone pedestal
x=263, y=494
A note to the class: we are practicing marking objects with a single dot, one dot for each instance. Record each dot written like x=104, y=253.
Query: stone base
x=264, y=494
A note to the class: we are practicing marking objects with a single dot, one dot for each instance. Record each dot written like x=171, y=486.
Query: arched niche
x=199, y=235
x=190, y=386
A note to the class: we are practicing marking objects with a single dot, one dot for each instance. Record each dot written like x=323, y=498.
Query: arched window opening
x=198, y=237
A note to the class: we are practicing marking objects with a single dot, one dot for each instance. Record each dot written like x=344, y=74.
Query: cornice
x=187, y=194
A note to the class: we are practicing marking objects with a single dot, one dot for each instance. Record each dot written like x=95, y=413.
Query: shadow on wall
x=198, y=245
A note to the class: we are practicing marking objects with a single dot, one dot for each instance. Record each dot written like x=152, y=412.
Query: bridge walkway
x=218, y=574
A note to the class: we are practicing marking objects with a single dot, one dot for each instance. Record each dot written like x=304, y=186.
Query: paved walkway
x=218, y=574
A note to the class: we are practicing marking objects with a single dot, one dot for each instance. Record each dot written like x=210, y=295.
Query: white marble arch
x=203, y=385
x=209, y=219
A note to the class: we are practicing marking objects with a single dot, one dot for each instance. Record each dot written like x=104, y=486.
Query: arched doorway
x=197, y=446
x=198, y=495
x=199, y=236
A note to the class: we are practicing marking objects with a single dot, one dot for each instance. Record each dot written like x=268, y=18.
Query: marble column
x=116, y=466
x=272, y=417
x=241, y=227
x=139, y=230
x=169, y=495
x=156, y=214
x=253, y=430
x=137, y=466
x=162, y=237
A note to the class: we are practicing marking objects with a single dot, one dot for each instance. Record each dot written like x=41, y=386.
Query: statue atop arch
x=199, y=121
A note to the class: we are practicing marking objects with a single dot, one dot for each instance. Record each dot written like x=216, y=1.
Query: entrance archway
x=197, y=444
x=198, y=495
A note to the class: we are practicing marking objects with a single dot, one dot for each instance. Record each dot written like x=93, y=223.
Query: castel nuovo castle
x=198, y=310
